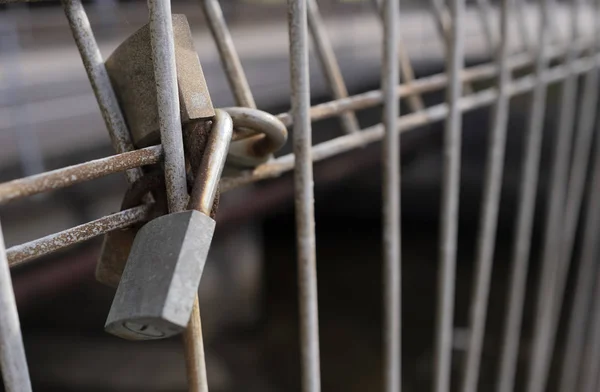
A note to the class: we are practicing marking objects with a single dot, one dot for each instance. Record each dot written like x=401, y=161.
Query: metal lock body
x=160, y=281
x=132, y=76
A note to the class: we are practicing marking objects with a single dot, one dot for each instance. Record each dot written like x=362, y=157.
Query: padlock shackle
x=213, y=161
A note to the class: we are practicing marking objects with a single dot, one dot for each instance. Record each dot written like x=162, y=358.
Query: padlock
x=160, y=281
x=117, y=244
x=131, y=74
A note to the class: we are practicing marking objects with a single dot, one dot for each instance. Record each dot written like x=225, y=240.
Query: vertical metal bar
x=542, y=345
x=526, y=212
x=522, y=24
x=12, y=352
x=584, y=287
x=484, y=10
x=94, y=66
x=163, y=58
x=329, y=63
x=303, y=184
x=415, y=101
x=229, y=56
x=591, y=364
x=450, y=202
x=572, y=358
x=489, y=215
x=391, y=201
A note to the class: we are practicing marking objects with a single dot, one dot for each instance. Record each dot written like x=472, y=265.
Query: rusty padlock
x=132, y=76
x=160, y=281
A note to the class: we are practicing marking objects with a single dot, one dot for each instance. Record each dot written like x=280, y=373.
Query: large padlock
x=160, y=281
x=131, y=74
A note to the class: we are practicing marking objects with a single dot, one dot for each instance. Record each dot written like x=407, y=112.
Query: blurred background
x=49, y=119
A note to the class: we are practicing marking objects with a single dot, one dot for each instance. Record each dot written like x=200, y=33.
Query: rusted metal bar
x=406, y=123
x=229, y=56
x=326, y=149
x=71, y=175
x=486, y=240
x=415, y=101
x=525, y=214
x=98, y=77
x=421, y=85
x=329, y=64
x=390, y=161
x=304, y=197
x=450, y=203
x=68, y=176
x=13, y=362
x=163, y=59
x=21, y=253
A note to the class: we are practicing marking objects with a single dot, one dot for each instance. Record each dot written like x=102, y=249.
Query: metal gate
x=543, y=59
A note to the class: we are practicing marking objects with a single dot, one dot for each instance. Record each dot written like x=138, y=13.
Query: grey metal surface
x=252, y=151
x=13, y=363
x=391, y=272
x=131, y=71
x=329, y=64
x=206, y=183
x=450, y=202
x=486, y=240
x=156, y=293
x=103, y=90
x=550, y=279
x=581, y=315
x=304, y=197
x=591, y=356
x=163, y=59
x=525, y=213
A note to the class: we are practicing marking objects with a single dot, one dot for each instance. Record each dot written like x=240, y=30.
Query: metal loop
x=270, y=134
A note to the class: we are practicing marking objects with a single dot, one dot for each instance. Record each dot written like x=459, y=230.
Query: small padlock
x=131, y=74
x=160, y=281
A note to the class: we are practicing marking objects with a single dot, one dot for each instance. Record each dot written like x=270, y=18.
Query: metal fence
x=543, y=60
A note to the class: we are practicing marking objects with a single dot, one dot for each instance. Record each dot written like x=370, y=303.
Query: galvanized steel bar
x=591, y=363
x=415, y=102
x=229, y=56
x=19, y=254
x=525, y=213
x=303, y=188
x=486, y=240
x=572, y=362
x=391, y=201
x=163, y=59
x=450, y=202
x=329, y=64
x=71, y=175
x=543, y=339
x=13, y=362
x=98, y=77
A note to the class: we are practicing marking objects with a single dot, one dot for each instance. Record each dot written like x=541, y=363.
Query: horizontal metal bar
x=423, y=85
x=71, y=175
x=273, y=168
x=21, y=253
x=407, y=122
